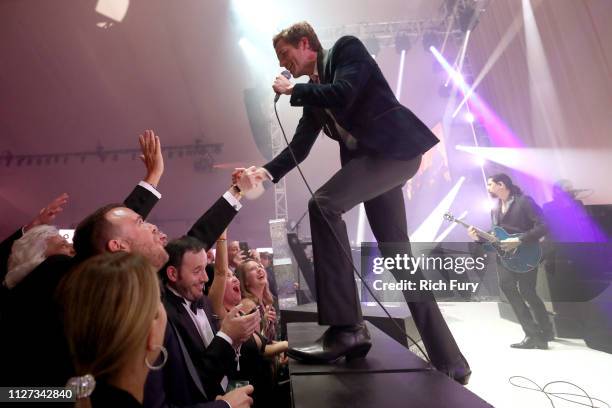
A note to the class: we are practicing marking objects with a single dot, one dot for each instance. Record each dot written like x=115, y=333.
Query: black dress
x=106, y=395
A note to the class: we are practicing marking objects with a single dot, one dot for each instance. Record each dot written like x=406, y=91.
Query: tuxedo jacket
x=353, y=88
x=213, y=362
x=523, y=216
x=178, y=383
x=213, y=222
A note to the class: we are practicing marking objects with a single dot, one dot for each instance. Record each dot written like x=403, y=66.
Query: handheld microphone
x=287, y=75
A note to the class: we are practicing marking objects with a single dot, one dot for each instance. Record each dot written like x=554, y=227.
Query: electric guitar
x=521, y=259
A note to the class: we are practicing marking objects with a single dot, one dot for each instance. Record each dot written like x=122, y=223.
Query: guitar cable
x=344, y=252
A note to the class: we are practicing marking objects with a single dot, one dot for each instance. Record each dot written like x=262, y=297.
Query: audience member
x=114, y=323
x=254, y=286
x=29, y=251
x=259, y=356
x=184, y=276
x=44, y=217
x=31, y=310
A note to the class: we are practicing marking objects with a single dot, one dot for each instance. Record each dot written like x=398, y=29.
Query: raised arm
x=217, y=289
x=45, y=216
x=145, y=195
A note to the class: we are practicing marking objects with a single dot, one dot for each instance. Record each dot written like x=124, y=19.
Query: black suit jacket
x=32, y=346
x=354, y=89
x=213, y=222
x=213, y=362
x=524, y=217
x=191, y=375
x=177, y=384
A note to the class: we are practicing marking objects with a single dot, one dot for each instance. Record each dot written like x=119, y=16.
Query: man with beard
x=518, y=213
x=190, y=311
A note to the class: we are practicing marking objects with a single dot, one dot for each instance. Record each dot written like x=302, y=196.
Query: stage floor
x=484, y=338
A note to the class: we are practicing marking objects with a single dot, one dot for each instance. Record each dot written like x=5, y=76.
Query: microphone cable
x=548, y=394
x=346, y=255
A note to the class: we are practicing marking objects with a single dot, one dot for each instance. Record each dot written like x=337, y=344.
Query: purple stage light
x=497, y=130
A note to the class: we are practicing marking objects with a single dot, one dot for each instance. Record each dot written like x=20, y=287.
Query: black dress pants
x=520, y=290
x=377, y=183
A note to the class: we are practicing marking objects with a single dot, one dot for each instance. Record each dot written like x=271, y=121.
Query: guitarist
x=518, y=213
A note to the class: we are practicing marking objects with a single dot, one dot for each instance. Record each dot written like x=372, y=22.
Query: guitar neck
x=482, y=234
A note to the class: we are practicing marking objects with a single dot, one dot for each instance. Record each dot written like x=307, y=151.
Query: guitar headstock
x=448, y=216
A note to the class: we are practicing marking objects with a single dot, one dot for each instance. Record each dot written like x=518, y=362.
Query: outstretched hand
x=48, y=213
x=250, y=181
x=151, y=157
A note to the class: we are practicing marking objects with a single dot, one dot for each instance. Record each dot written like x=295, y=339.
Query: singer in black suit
x=381, y=144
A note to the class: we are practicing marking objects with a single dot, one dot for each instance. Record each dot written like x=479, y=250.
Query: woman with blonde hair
x=114, y=323
x=261, y=356
x=227, y=291
x=254, y=287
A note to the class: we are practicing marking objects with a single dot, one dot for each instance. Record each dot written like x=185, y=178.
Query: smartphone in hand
x=244, y=249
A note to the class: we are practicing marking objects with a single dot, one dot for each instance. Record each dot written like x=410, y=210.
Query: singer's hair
x=295, y=33
x=507, y=181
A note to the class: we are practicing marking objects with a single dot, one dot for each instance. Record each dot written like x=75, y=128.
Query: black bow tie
x=194, y=306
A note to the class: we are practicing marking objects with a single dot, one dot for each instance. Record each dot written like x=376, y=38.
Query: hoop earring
x=164, y=353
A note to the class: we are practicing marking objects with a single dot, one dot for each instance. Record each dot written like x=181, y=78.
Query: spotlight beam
x=360, y=225
x=451, y=21
x=578, y=164
x=509, y=35
x=400, y=75
x=427, y=231
x=460, y=57
x=498, y=131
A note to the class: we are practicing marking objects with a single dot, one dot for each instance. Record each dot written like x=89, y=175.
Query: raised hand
x=236, y=174
x=151, y=157
x=48, y=213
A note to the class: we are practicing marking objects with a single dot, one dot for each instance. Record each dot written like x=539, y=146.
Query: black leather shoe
x=549, y=335
x=460, y=372
x=531, y=342
x=337, y=342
